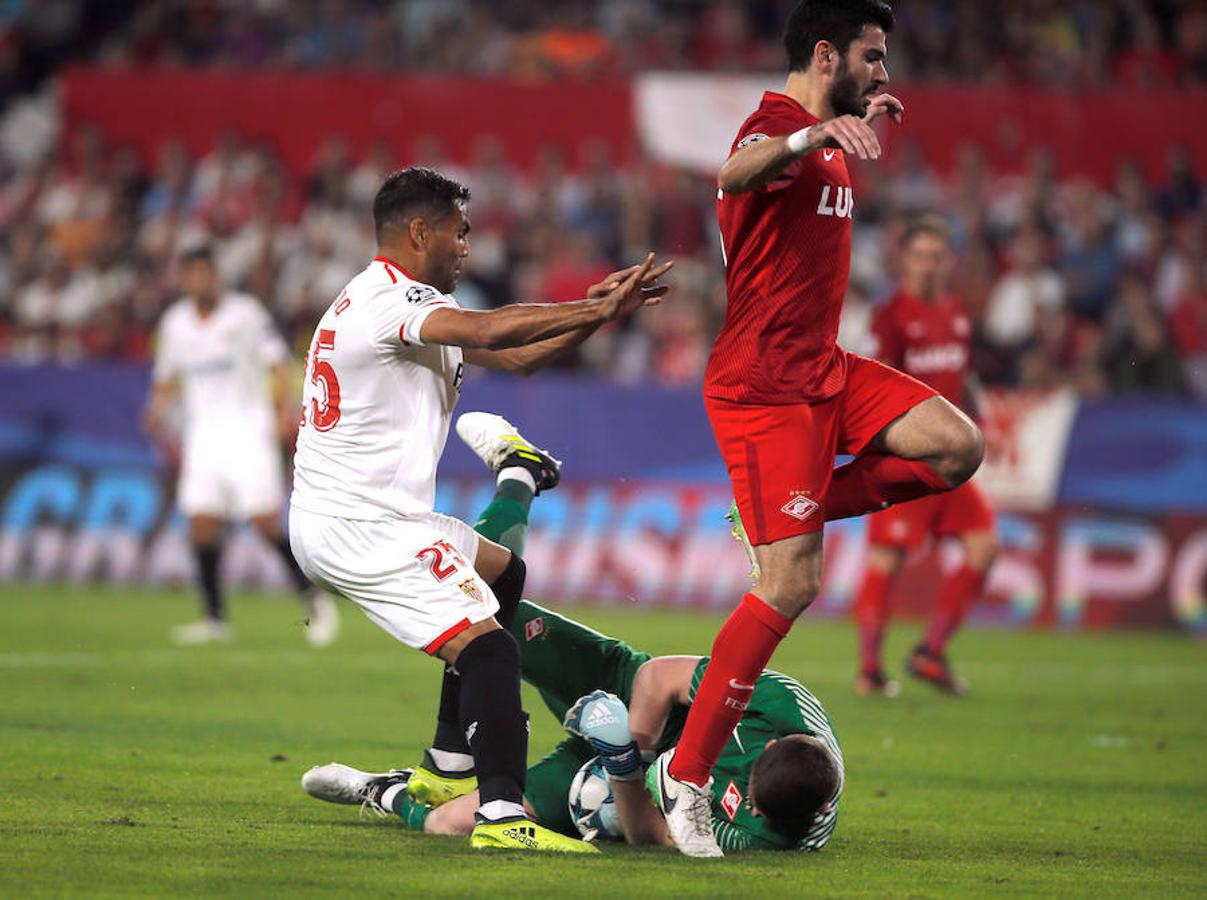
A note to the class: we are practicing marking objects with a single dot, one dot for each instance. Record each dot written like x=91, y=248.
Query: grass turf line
x=130, y=768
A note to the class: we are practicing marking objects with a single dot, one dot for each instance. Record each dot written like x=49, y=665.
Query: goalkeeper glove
x=602, y=720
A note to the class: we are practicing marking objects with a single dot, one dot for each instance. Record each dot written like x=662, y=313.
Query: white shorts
x=413, y=576
x=238, y=480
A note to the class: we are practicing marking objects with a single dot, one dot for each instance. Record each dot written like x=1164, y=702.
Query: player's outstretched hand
x=850, y=134
x=649, y=285
x=636, y=289
x=884, y=105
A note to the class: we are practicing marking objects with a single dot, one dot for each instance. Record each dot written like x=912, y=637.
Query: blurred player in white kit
x=218, y=354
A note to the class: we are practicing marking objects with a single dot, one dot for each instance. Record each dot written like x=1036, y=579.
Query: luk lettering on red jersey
x=843, y=203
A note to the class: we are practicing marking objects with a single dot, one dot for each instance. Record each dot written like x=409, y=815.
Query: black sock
x=449, y=734
x=208, y=557
x=508, y=589
x=301, y=583
x=495, y=725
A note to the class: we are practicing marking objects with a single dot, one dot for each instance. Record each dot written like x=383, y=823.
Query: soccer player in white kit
x=382, y=379
x=218, y=352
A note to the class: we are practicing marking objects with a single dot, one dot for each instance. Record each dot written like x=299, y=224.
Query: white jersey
x=222, y=362
x=377, y=403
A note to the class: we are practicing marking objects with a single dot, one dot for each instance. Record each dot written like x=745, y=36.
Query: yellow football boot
x=524, y=834
x=432, y=787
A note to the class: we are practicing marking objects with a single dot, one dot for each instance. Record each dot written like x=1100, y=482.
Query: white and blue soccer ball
x=592, y=807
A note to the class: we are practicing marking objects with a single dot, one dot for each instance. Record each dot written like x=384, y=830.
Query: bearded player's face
x=447, y=248
x=861, y=73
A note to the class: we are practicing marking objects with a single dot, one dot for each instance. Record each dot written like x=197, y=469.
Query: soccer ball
x=592, y=808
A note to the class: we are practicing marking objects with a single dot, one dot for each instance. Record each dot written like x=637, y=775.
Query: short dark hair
x=836, y=21
x=926, y=224
x=412, y=191
x=793, y=779
x=202, y=252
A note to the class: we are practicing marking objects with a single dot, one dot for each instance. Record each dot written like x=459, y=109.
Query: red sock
x=741, y=649
x=960, y=590
x=876, y=480
x=871, y=615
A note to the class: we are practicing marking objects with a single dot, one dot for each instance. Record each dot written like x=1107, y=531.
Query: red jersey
x=929, y=341
x=787, y=258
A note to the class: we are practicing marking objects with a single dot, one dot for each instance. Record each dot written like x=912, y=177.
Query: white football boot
x=203, y=631
x=687, y=810
x=337, y=783
x=322, y=624
x=499, y=444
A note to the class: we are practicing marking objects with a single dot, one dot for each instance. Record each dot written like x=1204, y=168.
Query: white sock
x=517, y=473
x=388, y=795
x=500, y=809
x=451, y=761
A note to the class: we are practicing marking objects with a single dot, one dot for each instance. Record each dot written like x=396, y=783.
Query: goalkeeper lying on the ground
x=776, y=785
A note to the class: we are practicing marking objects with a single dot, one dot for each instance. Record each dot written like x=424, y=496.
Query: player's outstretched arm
x=640, y=820
x=760, y=162
x=602, y=720
x=534, y=357
x=658, y=684
x=530, y=323
x=163, y=395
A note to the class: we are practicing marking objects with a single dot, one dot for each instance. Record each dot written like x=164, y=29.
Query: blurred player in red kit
x=782, y=396
x=924, y=332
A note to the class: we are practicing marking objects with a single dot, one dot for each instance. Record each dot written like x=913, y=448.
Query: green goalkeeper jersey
x=779, y=707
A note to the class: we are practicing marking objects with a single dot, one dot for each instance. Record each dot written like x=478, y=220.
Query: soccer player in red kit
x=783, y=398
x=924, y=332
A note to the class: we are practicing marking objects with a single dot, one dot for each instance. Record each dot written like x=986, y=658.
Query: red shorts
x=908, y=525
x=781, y=458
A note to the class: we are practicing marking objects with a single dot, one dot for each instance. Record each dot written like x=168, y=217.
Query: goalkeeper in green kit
x=776, y=785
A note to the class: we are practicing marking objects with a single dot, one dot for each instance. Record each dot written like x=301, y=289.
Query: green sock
x=505, y=520
x=413, y=814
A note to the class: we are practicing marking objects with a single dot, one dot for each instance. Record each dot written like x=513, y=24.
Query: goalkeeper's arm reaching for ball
x=617, y=733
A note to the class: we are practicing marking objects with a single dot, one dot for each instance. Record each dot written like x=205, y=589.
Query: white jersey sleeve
x=398, y=324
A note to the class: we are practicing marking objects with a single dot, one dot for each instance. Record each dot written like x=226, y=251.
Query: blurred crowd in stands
x=1068, y=282
x=1071, y=43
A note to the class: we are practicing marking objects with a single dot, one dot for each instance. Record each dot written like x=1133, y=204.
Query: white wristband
x=799, y=140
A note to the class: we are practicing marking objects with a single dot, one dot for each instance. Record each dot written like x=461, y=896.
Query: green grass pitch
x=129, y=768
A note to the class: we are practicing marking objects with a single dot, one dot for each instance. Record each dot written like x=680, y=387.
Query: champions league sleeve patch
x=751, y=139
x=418, y=294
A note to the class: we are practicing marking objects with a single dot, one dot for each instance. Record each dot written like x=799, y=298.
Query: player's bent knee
x=792, y=597
x=980, y=550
